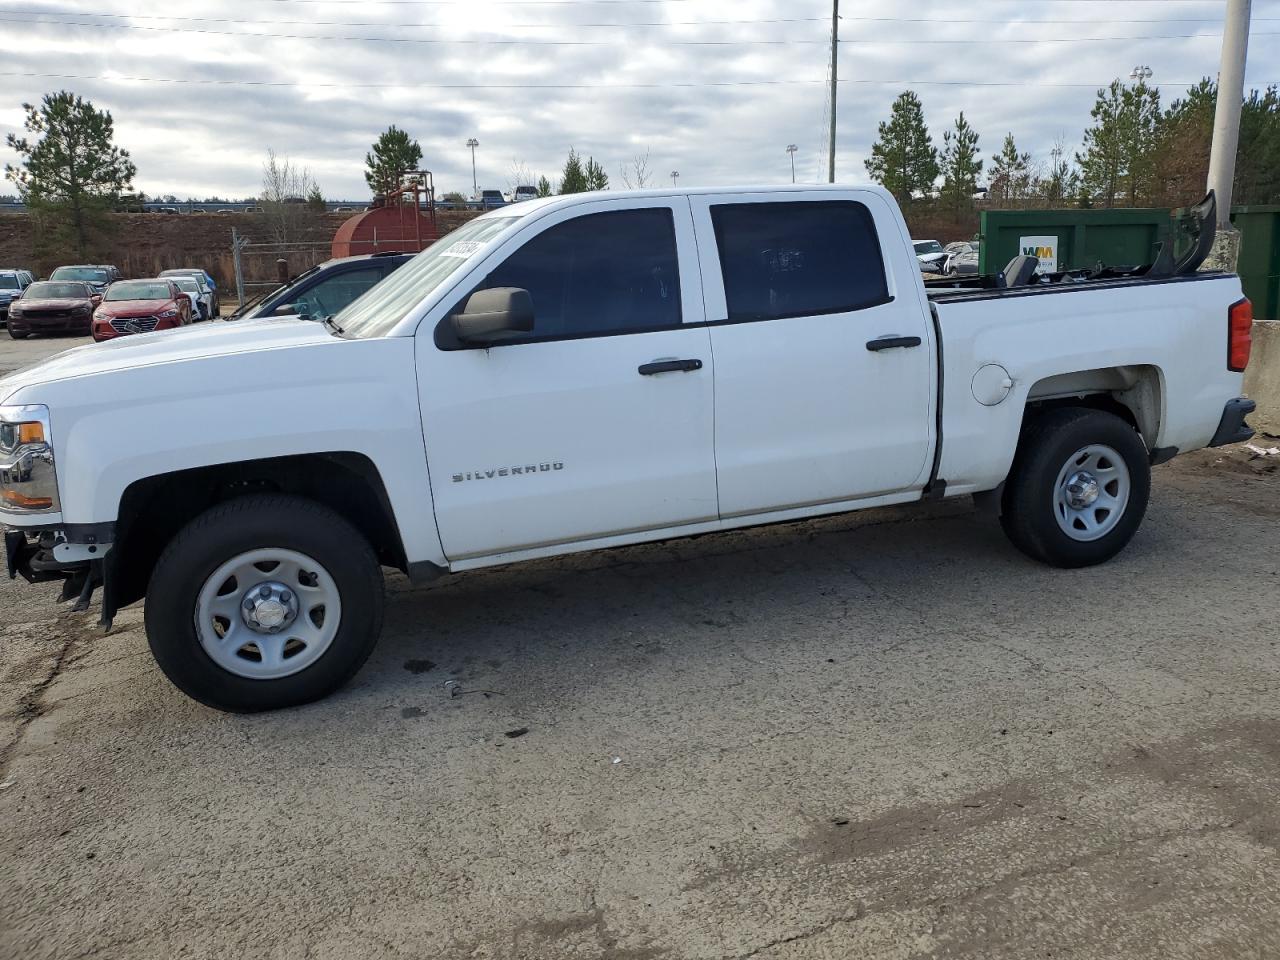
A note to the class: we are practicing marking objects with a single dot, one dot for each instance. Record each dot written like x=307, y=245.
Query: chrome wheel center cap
x=269, y=607
x=1082, y=490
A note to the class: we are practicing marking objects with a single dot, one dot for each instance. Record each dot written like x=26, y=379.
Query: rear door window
x=798, y=259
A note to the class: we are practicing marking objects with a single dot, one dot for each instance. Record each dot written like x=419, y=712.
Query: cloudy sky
x=715, y=89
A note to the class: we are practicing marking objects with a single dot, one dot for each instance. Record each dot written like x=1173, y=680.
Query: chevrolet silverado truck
x=588, y=371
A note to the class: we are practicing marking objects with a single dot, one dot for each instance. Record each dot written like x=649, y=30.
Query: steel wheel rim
x=1091, y=493
x=267, y=613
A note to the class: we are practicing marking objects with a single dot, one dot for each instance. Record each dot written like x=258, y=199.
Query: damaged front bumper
x=78, y=555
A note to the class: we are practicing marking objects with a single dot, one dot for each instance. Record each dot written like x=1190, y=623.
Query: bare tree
x=636, y=175
x=519, y=175
x=285, y=188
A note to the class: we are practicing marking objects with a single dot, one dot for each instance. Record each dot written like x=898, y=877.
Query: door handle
x=668, y=366
x=888, y=343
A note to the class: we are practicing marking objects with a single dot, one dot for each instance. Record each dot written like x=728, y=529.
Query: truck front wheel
x=1078, y=488
x=264, y=602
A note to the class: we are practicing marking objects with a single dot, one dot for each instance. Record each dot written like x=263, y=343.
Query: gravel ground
x=879, y=736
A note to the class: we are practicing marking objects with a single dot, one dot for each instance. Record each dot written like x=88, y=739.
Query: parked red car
x=53, y=306
x=140, y=306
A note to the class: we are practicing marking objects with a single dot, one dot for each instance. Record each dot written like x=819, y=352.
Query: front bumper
x=80, y=325
x=1232, y=427
x=77, y=554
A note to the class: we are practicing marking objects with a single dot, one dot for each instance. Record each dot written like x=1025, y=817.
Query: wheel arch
x=1133, y=392
x=153, y=509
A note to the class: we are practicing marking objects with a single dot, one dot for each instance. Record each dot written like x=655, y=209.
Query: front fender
x=115, y=428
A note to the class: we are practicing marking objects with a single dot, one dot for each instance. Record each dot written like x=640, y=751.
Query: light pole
x=1141, y=73
x=473, y=143
x=791, y=149
x=675, y=175
x=1226, y=117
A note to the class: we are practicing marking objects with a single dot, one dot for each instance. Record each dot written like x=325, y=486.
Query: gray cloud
x=322, y=101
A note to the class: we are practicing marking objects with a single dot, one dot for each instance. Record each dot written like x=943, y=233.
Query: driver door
x=598, y=424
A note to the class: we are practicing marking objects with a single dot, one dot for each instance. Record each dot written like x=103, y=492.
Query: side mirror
x=493, y=315
x=96, y=299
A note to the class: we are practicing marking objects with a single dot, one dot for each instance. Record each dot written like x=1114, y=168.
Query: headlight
x=28, y=482
x=102, y=315
x=168, y=313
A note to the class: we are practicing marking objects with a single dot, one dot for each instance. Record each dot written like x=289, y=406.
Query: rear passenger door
x=813, y=403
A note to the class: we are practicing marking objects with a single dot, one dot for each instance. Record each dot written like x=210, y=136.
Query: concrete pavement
x=879, y=736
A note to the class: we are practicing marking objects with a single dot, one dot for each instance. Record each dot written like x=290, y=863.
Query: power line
x=576, y=86
x=503, y=41
x=511, y=41
x=400, y=26
x=620, y=24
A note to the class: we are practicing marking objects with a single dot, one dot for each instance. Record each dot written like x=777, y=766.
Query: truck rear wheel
x=1078, y=488
x=264, y=602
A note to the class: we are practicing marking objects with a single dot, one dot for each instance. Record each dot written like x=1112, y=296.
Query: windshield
x=8, y=281
x=385, y=305
x=927, y=246
x=138, y=290
x=187, y=284
x=89, y=274
x=57, y=291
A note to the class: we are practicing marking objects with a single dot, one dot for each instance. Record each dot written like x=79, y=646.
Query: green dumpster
x=1072, y=239
x=1259, y=263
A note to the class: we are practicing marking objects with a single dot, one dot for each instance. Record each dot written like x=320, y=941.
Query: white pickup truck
x=589, y=371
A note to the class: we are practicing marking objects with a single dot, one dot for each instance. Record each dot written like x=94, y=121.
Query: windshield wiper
x=328, y=322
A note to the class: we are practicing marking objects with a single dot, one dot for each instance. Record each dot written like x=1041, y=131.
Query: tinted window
x=330, y=295
x=599, y=273
x=798, y=259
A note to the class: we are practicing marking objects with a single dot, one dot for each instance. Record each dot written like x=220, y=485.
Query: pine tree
x=1118, y=165
x=903, y=159
x=574, y=179
x=597, y=179
x=393, y=155
x=960, y=165
x=73, y=174
x=315, y=199
x=1010, y=173
x=544, y=187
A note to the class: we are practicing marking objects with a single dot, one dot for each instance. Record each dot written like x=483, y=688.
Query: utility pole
x=1226, y=119
x=473, y=143
x=835, y=40
x=791, y=149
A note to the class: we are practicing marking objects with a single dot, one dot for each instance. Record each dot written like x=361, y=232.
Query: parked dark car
x=140, y=306
x=98, y=275
x=324, y=289
x=53, y=306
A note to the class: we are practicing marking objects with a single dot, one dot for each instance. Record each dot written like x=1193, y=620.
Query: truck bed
x=988, y=287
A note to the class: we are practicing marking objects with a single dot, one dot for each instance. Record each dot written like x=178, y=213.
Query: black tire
x=1048, y=442
x=19, y=334
x=238, y=526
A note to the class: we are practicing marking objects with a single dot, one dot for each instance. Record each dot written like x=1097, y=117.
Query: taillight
x=1239, y=334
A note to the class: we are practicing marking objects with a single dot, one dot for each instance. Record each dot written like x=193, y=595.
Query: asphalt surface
x=879, y=736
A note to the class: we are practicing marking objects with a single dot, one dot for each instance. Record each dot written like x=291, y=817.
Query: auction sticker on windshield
x=463, y=248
